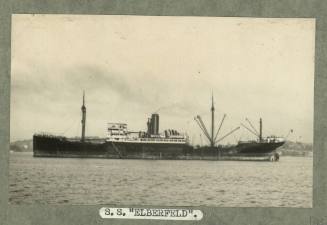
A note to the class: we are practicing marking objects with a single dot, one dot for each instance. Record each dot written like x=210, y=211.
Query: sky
x=132, y=66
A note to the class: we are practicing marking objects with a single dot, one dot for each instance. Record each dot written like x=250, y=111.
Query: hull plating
x=49, y=146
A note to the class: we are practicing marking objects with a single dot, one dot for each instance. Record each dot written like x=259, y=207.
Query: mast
x=212, y=122
x=83, y=108
x=211, y=137
x=260, y=134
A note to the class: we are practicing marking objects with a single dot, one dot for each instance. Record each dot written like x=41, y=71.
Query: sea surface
x=287, y=183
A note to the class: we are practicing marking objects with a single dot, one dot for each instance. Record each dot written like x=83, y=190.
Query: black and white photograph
x=161, y=110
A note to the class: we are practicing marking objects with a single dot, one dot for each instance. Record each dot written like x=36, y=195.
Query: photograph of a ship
x=175, y=111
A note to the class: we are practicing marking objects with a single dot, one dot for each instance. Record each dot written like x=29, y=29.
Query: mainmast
x=212, y=138
x=83, y=108
x=212, y=122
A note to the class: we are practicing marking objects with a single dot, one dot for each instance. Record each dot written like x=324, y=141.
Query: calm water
x=287, y=183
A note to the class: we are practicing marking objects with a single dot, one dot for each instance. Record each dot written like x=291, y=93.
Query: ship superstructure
x=118, y=132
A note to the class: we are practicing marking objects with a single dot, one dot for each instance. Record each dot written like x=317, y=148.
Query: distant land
x=290, y=148
x=22, y=146
x=296, y=149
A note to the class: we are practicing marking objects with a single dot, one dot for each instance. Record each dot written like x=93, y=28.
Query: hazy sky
x=131, y=66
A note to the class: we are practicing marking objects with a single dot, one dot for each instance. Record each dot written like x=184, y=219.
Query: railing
x=264, y=140
x=155, y=140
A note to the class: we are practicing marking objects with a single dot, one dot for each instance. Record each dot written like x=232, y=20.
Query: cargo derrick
x=253, y=130
x=213, y=138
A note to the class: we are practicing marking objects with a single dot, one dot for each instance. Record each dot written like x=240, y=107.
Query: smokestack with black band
x=155, y=123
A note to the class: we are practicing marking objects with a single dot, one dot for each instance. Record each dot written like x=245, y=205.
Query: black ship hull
x=53, y=146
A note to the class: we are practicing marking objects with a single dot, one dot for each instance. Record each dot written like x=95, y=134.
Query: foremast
x=83, y=108
x=212, y=142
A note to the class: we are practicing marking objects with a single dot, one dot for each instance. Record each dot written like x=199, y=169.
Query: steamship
x=120, y=143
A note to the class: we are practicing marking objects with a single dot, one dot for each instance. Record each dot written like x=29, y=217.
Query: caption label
x=153, y=214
